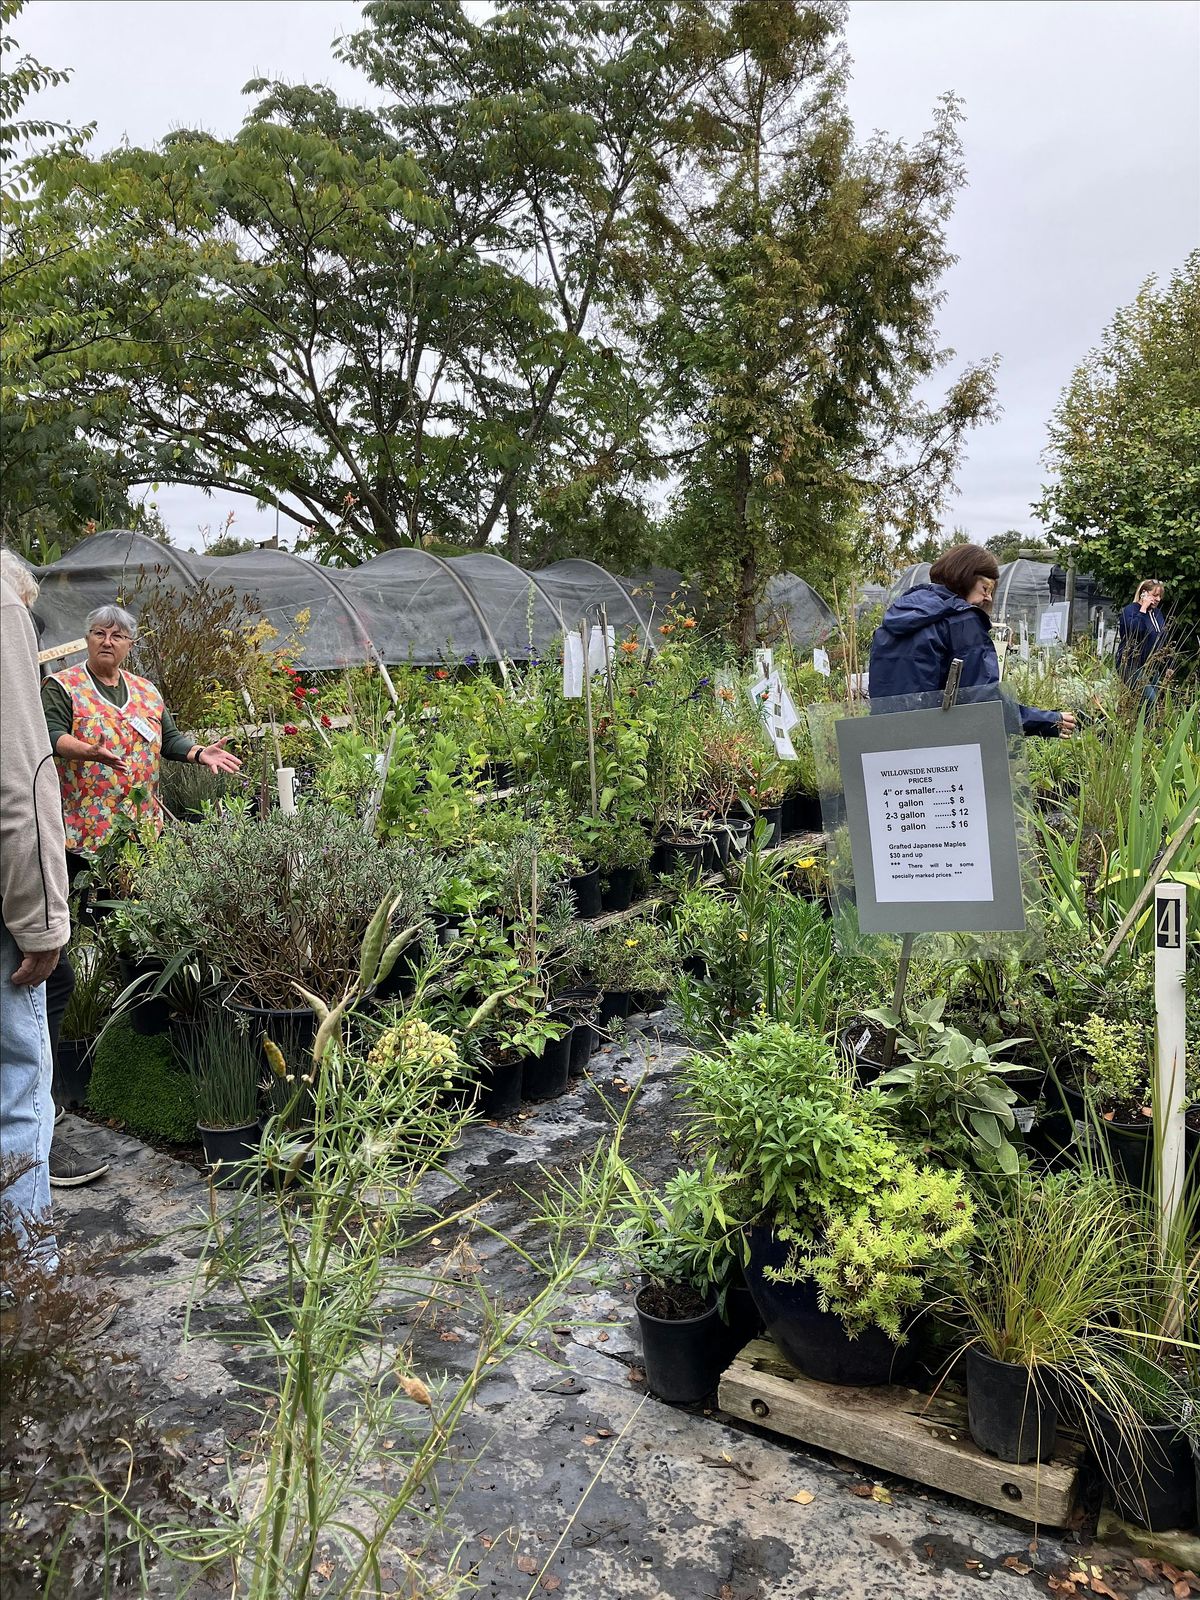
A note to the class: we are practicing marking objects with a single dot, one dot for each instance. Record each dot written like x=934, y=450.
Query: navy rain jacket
x=920, y=635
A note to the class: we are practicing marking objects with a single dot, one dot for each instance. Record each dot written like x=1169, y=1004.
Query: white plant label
x=927, y=812
x=777, y=711
x=1052, y=624
x=572, y=667
x=597, y=658
x=821, y=662
x=764, y=662
x=1024, y=647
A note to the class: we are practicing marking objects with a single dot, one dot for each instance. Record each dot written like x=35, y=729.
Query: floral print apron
x=93, y=795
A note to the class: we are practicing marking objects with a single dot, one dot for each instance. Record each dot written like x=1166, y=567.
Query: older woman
x=109, y=730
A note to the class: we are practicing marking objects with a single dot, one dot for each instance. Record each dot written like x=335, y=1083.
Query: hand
x=101, y=752
x=36, y=966
x=1067, y=726
x=217, y=759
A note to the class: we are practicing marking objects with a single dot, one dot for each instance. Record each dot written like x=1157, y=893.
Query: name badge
x=140, y=725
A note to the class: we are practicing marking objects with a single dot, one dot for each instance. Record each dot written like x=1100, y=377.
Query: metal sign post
x=1170, y=1100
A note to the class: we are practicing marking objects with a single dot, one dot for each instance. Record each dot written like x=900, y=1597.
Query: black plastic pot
x=225, y=1149
x=500, y=1085
x=73, y=1072
x=712, y=859
x=688, y=853
x=292, y=1030
x=616, y=888
x=580, y=1007
x=1010, y=1411
x=683, y=1358
x=694, y=965
x=742, y=1320
x=737, y=830
x=814, y=1340
x=806, y=813
x=645, y=1002
x=545, y=1076
x=773, y=815
x=614, y=1004
x=1151, y=1475
x=144, y=1015
x=863, y=1045
x=585, y=887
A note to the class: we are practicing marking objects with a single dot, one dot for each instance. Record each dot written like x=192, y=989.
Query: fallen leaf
x=881, y=1495
x=1060, y=1585
x=324, y=1569
x=930, y=1551
x=590, y=1438
x=975, y=1566
x=636, y=1375
x=1181, y=1590
x=527, y=1565
x=551, y=1584
x=485, y=1541
x=602, y=1338
x=803, y=1498
x=416, y=1390
x=1015, y=1564
x=1100, y=1587
x=1150, y=1570
x=450, y=1338
x=864, y=1491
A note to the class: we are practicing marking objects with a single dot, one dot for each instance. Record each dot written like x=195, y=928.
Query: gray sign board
x=933, y=835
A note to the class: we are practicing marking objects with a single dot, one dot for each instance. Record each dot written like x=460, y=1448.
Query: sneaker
x=71, y=1171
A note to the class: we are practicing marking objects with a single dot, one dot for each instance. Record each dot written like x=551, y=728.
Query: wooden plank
x=57, y=651
x=897, y=1430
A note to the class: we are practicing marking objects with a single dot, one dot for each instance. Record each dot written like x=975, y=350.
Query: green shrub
x=135, y=1081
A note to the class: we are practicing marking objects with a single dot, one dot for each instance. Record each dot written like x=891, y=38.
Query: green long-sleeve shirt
x=56, y=704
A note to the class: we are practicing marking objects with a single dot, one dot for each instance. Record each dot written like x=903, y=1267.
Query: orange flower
x=441, y=673
x=725, y=693
x=629, y=646
x=689, y=622
x=667, y=627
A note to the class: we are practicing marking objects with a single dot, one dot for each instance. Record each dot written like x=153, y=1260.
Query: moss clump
x=135, y=1081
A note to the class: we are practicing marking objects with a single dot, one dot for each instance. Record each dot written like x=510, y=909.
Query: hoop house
x=792, y=611
x=908, y=579
x=1023, y=591
x=403, y=605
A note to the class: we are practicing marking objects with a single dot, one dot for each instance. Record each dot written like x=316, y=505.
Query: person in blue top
x=925, y=629
x=1141, y=633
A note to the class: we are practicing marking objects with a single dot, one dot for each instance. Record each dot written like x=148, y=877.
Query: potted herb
x=223, y=1064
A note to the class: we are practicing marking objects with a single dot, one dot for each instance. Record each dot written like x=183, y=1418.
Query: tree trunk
x=745, y=620
x=512, y=542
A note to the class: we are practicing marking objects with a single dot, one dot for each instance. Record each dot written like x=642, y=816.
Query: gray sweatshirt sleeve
x=33, y=860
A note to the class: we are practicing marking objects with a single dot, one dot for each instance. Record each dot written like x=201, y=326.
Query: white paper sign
x=927, y=813
x=859, y=684
x=597, y=659
x=821, y=662
x=778, y=713
x=1052, y=624
x=764, y=662
x=1024, y=648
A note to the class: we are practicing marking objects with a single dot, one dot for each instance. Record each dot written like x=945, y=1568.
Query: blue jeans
x=26, y=1104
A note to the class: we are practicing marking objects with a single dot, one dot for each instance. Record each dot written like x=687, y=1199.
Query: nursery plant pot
x=645, y=1002
x=585, y=887
x=73, y=1072
x=687, y=853
x=742, y=1320
x=614, y=1004
x=1010, y=1413
x=226, y=1149
x=580, y=1007
x=712, y=857
x=863, y=1044
x=616, y=888
x=806, y=813
x=695, y=965
x=773, y=816
x=292, y=1030
x=1151, y=1475
x=545, y=1076
x=737, y=829
x=814, y=1340
x=145, y=1015
x=500, y=1085
x=683, y=1358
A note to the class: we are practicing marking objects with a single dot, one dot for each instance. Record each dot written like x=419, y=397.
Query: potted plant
x=619, y=847
x=223, y=1064
x=816, y=1176
x=87, y=1014
x=1040, y=1302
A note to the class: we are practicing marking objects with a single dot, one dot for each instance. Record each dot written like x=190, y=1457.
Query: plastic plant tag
x=572, y=667
x=821, y=662
x=764, y=662
x=597, y=655
x=1023, y=650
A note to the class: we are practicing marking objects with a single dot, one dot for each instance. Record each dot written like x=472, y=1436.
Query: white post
x=1170, y=957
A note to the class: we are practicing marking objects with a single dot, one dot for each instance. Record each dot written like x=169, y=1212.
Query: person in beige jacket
x=34, y=920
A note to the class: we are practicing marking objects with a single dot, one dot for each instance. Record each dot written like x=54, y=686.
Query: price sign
x=1052, y=624
x=933, y=836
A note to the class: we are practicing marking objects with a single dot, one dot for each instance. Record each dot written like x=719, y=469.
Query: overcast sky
x=1082, y=149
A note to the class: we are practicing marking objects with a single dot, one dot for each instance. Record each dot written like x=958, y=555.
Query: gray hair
x=112, y=617
x=18, y=577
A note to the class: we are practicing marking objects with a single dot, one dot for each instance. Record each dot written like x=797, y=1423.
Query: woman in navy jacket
x=1141, y=632
x=925, y=629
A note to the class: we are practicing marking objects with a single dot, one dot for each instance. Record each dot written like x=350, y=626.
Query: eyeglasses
x=111, y=635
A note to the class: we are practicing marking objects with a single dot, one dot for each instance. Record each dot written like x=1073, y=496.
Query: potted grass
x=223, y=1063
x=1040, y=1300
x=87, y=1014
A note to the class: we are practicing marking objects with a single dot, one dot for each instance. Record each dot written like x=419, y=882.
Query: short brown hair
x=958, y=568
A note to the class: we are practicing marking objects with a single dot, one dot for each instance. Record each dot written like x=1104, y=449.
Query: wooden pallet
x=900, y=1431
